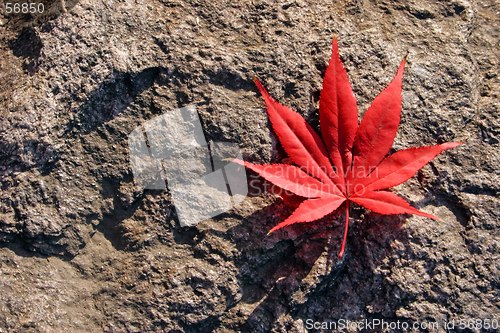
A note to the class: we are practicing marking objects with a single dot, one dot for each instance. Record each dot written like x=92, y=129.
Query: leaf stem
x=346, y=228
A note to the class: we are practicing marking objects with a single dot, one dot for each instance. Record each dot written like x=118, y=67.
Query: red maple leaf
x=348, y=162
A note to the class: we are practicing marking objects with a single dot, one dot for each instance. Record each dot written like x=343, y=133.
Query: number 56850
x=24, y=8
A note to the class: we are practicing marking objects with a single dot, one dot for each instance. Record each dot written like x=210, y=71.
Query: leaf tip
x=256, y=81
x=401, y=68
x=432, y=217
x=235, y=160
x=450, y=145
x=260, y=87
x=335, y=44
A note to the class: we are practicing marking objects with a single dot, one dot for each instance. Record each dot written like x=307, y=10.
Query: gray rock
x=85, y=249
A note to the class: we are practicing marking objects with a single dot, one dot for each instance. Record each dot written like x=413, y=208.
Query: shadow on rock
x=28, y=46
x=281, y=271
x=297, y=271
x=111, y=98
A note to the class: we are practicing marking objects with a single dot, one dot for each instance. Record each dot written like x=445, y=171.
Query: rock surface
x=86, y=250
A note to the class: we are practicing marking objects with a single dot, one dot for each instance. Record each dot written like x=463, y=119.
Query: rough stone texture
x=85, y=250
